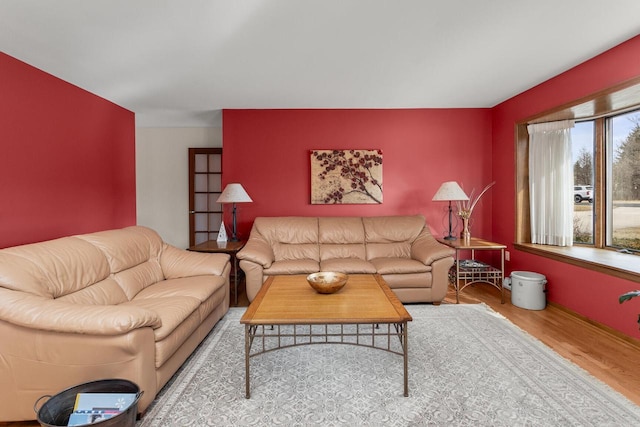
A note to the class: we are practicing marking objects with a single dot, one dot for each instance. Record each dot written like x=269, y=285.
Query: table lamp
x=450, y=191
x=234, y=193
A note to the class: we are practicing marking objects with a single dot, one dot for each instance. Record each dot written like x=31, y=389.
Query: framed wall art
x=346, y=177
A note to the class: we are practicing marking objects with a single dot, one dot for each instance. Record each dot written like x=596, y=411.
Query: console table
x=471, y=271
x=230, y=248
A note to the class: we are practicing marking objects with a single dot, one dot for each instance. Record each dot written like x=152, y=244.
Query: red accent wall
x=589, y=293
x=268, y=151
x=67, y=162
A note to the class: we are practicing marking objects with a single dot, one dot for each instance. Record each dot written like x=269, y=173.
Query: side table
x=230, y=248
x=471, y=271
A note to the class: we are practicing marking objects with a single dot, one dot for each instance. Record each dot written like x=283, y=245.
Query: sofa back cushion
x=291, y=238
x=133, y=254
x=391, y=236
x=341, y=237
x=54, y=268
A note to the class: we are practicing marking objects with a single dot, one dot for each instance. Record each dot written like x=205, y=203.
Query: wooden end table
x=469, y=272
x=229, y=248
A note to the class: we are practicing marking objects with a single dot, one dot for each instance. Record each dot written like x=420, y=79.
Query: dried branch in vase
x=465, y=207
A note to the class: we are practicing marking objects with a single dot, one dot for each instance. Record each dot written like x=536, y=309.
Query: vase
x=465, y=234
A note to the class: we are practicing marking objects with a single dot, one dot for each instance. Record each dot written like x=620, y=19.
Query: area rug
x=468, y=366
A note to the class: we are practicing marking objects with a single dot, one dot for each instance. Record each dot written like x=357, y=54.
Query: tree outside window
x=623, y=207
x=621, y=212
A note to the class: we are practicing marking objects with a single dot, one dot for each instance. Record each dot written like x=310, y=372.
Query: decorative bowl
x=327, y=282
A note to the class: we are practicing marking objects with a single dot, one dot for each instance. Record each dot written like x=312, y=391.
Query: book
x=93, y=407
x=89, y=417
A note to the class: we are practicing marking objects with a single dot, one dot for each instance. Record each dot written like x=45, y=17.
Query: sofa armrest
x=177, y=263
x=35, y=312
x=257, y=251
x=427, y=249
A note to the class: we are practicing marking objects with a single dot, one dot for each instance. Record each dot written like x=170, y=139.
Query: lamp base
x=450, y=238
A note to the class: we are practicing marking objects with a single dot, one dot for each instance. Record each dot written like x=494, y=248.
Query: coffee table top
x=286, y=300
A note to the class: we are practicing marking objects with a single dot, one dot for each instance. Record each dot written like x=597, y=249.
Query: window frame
x=611, y=101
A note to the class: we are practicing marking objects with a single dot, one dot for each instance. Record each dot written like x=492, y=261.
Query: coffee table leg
x=406, y=359
x=247, y=348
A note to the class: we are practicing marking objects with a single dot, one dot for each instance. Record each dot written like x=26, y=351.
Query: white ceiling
x=179, y=62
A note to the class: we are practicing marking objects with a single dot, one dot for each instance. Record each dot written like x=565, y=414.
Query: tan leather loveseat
x=113, y=304
x=400, y=248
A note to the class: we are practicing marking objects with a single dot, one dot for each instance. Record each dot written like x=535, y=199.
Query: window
x=606, y=193
x=620, y=211
x=623, y=182
x=582, y=147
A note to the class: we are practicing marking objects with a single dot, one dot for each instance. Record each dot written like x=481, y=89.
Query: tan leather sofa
x=113, y=304
x=400, y=248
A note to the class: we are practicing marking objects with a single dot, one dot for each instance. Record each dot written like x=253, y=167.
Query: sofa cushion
x=209, y=290
x=127, y=247
x=392, y=250
x=288, y=229
x=199, y=287
x=399, y=266
x=408, y=281
x=135, y=279
x=340, y=230
x=180, y=318
x=348, y=265
x=167, y=347
x=391, y=236
x=332, y=251
x=299, y=251
x=53, y=268
x=341, y=237
x=301, y=266
x=386, y=229
x=291, y=238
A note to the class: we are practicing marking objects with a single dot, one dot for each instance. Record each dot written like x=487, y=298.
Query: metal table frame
x=471, y=275
x=373, y=335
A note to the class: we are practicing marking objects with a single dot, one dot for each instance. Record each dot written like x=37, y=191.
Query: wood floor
x=613, y=359
x=605, y=354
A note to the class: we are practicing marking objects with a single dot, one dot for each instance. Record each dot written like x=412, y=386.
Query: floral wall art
x=346, y=177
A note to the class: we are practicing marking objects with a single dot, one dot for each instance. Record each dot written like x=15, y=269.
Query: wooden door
x=205, y=185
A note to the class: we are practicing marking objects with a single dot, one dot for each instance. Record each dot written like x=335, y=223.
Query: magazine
x=472, y=263
x=90, y=408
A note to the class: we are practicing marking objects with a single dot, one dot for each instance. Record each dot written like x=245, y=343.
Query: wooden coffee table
x=287, y=312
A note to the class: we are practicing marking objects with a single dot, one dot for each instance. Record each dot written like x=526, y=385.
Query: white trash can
x=528, y=290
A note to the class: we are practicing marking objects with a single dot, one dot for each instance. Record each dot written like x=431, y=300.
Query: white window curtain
x=551, y=183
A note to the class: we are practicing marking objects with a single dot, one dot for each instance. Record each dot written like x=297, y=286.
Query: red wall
x=68, y=158
x=268, y=151
x=591, y=294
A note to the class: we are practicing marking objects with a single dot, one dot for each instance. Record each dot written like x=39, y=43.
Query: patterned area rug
x=468, y=366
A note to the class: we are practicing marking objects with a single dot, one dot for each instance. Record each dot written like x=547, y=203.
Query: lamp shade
x=234, y=193
x=450, y=190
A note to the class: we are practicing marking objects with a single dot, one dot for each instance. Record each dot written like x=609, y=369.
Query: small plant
x=627, y=297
